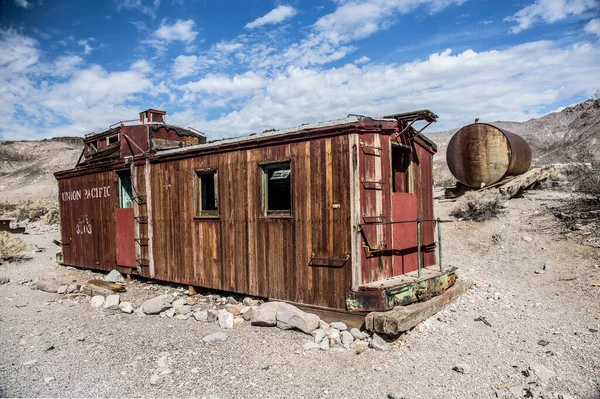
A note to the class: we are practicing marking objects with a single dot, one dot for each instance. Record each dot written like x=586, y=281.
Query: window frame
x=409, y=170
x=265, y=167
x=200, y=213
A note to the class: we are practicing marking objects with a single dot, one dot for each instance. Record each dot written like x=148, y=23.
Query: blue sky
x=228, y=68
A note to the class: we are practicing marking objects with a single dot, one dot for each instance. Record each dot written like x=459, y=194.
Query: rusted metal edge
x=403, y=294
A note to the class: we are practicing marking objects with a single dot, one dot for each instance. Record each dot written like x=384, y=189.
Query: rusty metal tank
x=481, y=154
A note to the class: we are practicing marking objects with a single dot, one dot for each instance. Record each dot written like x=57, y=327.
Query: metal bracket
x=327, y=262
x=365, y=147
x=372, y=184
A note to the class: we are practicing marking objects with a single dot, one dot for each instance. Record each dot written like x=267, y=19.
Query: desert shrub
x=443, y=178
x=36, y=210
x=7, y=208
x=11, y=247
x=585, y=179
x=479, y=206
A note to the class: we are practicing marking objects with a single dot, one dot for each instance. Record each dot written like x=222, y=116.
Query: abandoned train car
x=335, y=215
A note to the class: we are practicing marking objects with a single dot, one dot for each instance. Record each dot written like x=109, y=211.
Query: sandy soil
x=98, y=353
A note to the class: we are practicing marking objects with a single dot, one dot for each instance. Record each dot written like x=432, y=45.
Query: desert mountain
x=27, y=167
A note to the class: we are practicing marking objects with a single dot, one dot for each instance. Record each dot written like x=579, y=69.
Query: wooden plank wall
x=87, y=221
x=244, y=252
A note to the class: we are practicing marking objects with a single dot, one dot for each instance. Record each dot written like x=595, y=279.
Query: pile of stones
x=228, y=312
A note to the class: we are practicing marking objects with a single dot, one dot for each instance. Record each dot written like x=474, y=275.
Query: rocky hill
x=27, y=167
x=572, y=134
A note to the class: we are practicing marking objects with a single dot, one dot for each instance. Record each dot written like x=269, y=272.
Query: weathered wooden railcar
x=335, y=215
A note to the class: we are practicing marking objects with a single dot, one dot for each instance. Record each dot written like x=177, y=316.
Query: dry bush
x=479, y=205
x=443, y=178
x=585, y=179
x=11, y=247
x=36, y=210
x=582, y=211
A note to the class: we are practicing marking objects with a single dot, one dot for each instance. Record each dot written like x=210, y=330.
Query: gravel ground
x=58, y=347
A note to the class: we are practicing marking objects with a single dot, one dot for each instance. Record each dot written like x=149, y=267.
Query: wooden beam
x=403, y=318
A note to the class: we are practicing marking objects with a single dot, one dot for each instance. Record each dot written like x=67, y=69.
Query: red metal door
x=125, y=227
x=404, y=207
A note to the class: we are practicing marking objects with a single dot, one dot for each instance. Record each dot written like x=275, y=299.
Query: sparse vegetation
x=479, y=206
x=46, y=210
x=442, y=177
x=582, y=212
x=11, y=247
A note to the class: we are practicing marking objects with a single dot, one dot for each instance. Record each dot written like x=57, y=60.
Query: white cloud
x=275, y=16
x=65, y=65
x=178, y=31
x=362, y=60
x=593, y=27
x=238, y=85
x=145, y=7
x=18, y=52
x=35, y=103
x=23, y=3
x=228, y=47
x=359, y=19
x=87, y=49
x=508, y=84
x=549, y=11
x=185, y=65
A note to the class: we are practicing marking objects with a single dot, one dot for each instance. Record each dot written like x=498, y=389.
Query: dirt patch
x=534, y=287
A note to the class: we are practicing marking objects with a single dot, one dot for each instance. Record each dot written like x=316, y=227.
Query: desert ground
x=537, y=288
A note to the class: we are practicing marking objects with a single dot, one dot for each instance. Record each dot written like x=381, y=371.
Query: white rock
x=310, y=345
x=244, y=310
x=347, y=339
x=114, y=277
x=62, y=289
x=201, y=315
x=323, y=325
x=49, y=379
x=180, y=302
x=238, y=321
x=266, y=315
x=324, y=344
x=378, y=343
x=357, y=334
x=319, y=335
x=334, y=337
x=111, y=302
x=157, y=305
x=212, y=314
x=338, y=325
x=184, y=310
x=126, y=307
x=97, y=301
x=215, y=338
x=156, y=379
x=360, y=346
x=290, y=317
x=225, y=320
x=542, y=372
x=170, y=312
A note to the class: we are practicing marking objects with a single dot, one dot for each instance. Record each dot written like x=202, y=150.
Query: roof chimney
x=153, y=115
